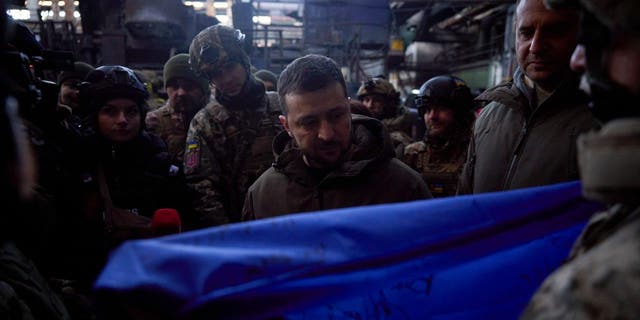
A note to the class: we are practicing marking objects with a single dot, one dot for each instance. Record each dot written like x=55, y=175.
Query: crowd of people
x=231, y=145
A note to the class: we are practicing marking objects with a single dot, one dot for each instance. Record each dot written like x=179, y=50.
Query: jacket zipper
x=516, y=156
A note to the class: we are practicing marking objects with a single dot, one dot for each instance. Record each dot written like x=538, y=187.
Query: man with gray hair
x=526, y=135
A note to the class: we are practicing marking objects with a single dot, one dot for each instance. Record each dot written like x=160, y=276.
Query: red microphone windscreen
x=165, y=221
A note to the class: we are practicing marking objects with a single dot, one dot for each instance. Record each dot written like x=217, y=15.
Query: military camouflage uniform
x=398, y=120
x=400, y=129
x=170, y=127
x=601, y=280
x=227, y=150
x=229, y=141
x=439, y=164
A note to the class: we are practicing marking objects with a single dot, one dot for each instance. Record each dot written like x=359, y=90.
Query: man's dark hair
x=307, y=74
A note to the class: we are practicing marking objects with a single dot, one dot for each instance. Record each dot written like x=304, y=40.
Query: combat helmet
x=108, y=82
x=111, y=82
x=445, y=91
x=214, y=47
x=379, y=86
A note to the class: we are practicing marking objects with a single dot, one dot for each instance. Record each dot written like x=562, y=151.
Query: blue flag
x=470, y=257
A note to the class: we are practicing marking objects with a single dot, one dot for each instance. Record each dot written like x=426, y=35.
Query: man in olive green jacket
x=526, y=135
x=326, y=159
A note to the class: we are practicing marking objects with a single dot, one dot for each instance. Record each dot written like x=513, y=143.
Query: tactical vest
x=440, y=168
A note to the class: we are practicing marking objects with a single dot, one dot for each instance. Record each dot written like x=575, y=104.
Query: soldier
x=526, y=135
x=446, y=104
x=69, y=97
x=268, y=78
x=229, y=141
x=383, y=102
x=602, y=277
x=187, y=94
x=327, y=158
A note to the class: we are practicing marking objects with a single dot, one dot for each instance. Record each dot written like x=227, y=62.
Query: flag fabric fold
x=469, y=257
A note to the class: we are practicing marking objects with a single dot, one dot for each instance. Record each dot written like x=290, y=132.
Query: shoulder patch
x=192, y=154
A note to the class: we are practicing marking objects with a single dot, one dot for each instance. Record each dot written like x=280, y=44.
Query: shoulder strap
x=104, y=188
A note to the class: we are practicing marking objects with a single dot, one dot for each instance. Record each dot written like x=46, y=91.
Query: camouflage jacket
x=602, y=279
x=440, y=165
x=170, y=127
x=401, y=129
x=227, y=150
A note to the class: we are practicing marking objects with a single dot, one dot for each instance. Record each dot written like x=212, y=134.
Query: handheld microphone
x=165, y=221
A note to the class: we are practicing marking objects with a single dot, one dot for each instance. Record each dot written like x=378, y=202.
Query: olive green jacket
x=371, y=175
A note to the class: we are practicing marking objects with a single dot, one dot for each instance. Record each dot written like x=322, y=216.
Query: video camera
x=26, y=63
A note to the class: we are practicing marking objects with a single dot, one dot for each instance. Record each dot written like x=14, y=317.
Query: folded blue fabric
x=470, y=257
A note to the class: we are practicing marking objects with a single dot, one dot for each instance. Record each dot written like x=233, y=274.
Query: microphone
x=165, y=221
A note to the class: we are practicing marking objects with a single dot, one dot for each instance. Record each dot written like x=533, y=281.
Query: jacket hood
x=370, y=144
x=516, y=94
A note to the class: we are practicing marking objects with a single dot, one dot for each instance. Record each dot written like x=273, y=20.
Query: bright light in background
x=415, y=91
x=19, y=14
x=61, y=3
x=45, y=3
x=76, y=3
x=220, y=5
x=201, y=4
x=62, y=14
x=46, y=14
x=76, y=14
x=194, y=4
x=224, y=19
x=262, y=19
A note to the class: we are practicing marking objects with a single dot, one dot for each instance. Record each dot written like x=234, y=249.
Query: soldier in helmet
x=383, y=102
x=526, y=134
x=69, y=97
x=229, y=140
x=446, y=104
x=602, y=276
x=187, y=94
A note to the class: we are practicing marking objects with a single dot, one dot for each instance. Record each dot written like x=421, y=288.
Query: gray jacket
x=515, y=145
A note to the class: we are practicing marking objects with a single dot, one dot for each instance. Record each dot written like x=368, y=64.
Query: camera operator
x=24, y=292
x=48, y=224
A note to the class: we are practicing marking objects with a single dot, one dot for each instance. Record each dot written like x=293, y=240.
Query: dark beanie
x=266, y=75
x=178, y=67
x=79, y=72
